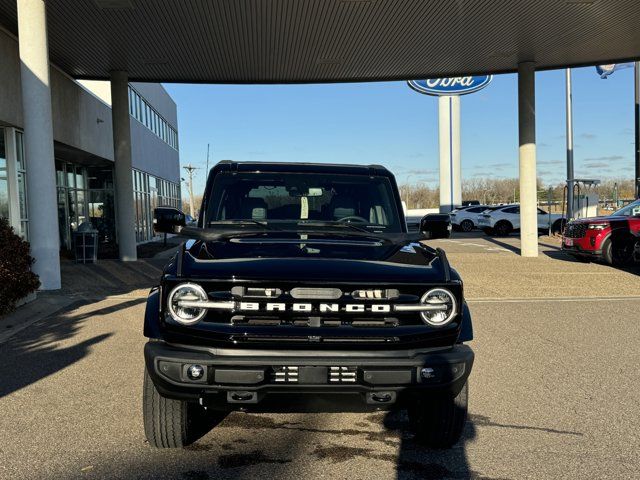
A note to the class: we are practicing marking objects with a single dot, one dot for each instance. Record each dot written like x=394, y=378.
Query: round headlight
x=444, y=299
x=184, y=293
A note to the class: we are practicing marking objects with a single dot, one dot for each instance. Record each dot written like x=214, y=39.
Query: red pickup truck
x=614, y=238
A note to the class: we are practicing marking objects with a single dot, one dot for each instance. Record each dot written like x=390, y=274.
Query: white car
x=504, y=220
x=466, y=218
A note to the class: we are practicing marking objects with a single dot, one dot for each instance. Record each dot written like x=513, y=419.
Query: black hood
x=312, y=257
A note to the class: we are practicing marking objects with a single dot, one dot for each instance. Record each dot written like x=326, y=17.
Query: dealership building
x=81, y=169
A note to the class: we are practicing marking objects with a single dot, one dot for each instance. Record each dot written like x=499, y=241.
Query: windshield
x=277, y=198
x=628, y=210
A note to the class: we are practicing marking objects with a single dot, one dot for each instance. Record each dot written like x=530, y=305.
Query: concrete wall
x=149, y=153
x=82, y=114
x=152, y=155
x=80, y=119
x=10, y=97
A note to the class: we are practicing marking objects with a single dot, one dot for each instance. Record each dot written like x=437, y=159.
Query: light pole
x=190, y=169
x=570, y=174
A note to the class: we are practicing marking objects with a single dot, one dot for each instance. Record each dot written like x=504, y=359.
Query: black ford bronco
x=301, y=289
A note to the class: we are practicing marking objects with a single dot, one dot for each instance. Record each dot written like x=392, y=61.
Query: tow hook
x=381, y=397
x=242, y=397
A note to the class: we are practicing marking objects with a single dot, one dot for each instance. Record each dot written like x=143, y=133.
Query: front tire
x=618, y=251
x=170, y=423
x=466, y=225
x=438, y=421
x=503, y=228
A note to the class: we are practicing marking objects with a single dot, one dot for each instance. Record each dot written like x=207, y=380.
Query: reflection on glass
x=22, y=195
x=71, y=183
x=80, y=208
x=4, y=187
x=79, y=178
x=20, y=151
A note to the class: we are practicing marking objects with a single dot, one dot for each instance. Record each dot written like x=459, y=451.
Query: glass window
x=99, y=178
x=627, y=210
x=4, y=185
x=292, y=197
x=79, y=177
x=71, y=177
x=59, y=174
x=22, y=195
x=81, y=210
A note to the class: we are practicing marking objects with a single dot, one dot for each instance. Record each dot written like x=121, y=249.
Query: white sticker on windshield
x=304, y=208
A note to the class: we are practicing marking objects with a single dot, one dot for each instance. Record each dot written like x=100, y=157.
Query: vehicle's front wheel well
x=620, y=247
x=503, y=227
x=558, y=226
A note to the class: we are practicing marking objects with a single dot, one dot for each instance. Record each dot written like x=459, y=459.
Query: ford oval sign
x=451, y=85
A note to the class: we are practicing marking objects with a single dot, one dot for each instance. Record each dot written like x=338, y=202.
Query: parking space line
x=552, y=299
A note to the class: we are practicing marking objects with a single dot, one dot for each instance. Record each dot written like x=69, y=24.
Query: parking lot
x=554, y=392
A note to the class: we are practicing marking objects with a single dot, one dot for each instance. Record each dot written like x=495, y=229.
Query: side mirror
x=436, y=225
x=168, y=220
x=635, y=211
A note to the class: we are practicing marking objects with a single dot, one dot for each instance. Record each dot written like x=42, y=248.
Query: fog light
x=195, y=372
x=427, y=373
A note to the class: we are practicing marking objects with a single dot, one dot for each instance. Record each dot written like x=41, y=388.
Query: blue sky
x=390, y=124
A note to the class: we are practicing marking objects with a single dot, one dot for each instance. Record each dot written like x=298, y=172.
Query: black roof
x=229, y=165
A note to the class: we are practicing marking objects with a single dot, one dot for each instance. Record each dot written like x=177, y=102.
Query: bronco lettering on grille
x=309, y=307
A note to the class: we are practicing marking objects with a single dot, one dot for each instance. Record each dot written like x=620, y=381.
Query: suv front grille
x=316, y=306
x=575, y=230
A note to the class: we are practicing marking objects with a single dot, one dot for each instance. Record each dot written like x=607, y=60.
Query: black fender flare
x=466, y=325
x=152, y=314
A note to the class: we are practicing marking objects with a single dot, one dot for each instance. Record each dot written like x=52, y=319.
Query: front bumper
x=588, y=246
x=285, y=380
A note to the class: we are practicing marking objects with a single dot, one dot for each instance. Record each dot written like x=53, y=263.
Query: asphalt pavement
x=554, y=393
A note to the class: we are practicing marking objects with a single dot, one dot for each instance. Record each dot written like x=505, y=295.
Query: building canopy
x=282, y=41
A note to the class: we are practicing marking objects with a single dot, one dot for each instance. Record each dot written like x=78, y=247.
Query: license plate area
x=313, y=375
x=568, y=242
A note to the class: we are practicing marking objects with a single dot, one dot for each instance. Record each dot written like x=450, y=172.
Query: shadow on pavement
x=558, y=254
x=505, y=245
x=35, y=353
x=415, y=461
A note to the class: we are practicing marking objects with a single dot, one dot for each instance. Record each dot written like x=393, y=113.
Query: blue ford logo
x=451, y=85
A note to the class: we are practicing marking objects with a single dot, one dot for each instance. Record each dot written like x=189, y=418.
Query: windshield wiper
x=241, y=222
x=339, y=224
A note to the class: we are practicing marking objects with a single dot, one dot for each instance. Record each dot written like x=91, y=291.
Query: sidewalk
x=88, y=283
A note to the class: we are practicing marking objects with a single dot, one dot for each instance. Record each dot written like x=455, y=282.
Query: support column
x=449, y=141
x=636, y=83
x=527, y=153
x=125, y=208
x=38, y=142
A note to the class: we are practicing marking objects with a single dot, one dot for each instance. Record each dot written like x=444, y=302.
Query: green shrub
x=16, y=278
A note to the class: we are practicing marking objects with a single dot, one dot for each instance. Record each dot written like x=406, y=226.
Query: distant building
x=84, y=152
